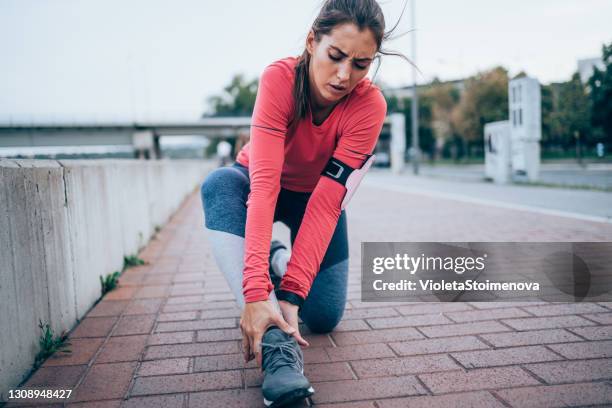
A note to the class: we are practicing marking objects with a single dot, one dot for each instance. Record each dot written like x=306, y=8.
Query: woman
x=315, y=124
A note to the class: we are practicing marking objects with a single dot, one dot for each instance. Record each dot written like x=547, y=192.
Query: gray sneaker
x=283, y=363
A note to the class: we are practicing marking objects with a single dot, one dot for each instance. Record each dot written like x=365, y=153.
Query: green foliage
x=404, y=105
x=132, y=260
x=600, y=85
x=484, y=100
x=109, y=282
x=238, y=98
x=571, y=116
x=49, y=343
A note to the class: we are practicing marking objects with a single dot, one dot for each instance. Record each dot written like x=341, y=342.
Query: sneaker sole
x=290, y=397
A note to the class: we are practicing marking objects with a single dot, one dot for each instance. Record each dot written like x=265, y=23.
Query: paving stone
x=164, y=367
x=550, y=396
x=118, y=349
x=385, y=367
x=368, y=313
x=172, y=338
x=506, y=356
x=143, y=306
x=93, y=327
x=565, y=309
x=374, y=388
x=357, y=404
x=493, y=314
x=158, y=401
x=479, y=379
x=108, y=308
x=593, y=333
x=359, y=352
x=441, y=345
x=191, y=350
x=552, y=322
x=121, y=293
x=65, y=377
x=105, y=381
x=530, y=337
x=460, y=329
x=196, y=325
x=222, y=362
x=138, y=324
x=177, y=317
x=96, y=404
x=81, y=352
x=601, y=318
x=147, y=292
x=583, y=350
x=375, y=336
x=170, y=384
x=479, y=399
x=408, y=321
x=572, y=371
x=431, y=308
x=219, y=335
x=220, y=313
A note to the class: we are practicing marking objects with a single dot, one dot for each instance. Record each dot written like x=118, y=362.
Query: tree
x=404, y=105
x=484, y=100
x=444, y=97
x=570, y=121
x=238, y=98
x=600, y=85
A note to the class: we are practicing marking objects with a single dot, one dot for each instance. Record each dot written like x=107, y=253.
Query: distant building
x=586, y=67
x=406, y=91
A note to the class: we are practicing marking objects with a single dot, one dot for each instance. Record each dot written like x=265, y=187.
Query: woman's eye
x=359, y=66
x=335, y=58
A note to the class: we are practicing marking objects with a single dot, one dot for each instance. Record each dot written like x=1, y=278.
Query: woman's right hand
x=256, y=318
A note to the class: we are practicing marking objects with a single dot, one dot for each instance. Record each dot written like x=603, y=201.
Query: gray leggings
x=224, y=196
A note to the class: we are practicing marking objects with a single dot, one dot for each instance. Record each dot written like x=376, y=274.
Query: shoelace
x=288, y=356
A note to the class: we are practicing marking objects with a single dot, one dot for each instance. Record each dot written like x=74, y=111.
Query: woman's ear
x=310, y=42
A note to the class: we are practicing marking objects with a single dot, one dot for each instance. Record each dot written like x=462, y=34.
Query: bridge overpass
x=145, y=136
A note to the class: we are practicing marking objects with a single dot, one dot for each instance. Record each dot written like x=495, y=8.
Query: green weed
x=132, y=260
x=109, y=282
x=50, y=343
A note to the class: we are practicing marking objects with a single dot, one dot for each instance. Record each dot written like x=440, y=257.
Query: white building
x=525, y=103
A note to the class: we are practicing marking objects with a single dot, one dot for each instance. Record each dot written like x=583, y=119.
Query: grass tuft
x=109, y=282
x=50, y=343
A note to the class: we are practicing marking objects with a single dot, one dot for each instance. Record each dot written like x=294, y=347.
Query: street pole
x=415, y=98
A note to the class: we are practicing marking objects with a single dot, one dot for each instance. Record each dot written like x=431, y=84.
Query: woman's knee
x=323, y=318
x=220, y=180
x=322, y=321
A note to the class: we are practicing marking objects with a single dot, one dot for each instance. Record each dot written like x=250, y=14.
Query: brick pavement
x=168, y=336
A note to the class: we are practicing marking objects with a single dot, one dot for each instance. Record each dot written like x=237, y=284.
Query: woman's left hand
x=290, y=314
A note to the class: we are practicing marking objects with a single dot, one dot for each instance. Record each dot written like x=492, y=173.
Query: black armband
x=337, y=170
x=290, y=297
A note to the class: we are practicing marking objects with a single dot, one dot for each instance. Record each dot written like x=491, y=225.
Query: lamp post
x=415, y=98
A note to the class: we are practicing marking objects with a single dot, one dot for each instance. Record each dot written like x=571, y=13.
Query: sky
x=142, y=60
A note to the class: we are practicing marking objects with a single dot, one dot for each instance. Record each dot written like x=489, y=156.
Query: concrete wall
x=62, y=225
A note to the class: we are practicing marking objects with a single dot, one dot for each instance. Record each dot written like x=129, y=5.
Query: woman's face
x=338, y=62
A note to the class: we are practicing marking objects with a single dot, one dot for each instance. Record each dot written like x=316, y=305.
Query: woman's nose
x=344, y=72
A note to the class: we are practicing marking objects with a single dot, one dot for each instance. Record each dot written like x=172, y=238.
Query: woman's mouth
x=337, y=89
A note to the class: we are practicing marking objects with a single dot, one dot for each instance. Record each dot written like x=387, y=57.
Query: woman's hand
x=256, y=318
x=290, y=313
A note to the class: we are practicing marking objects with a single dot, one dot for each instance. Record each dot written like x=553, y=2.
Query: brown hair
x=365, y=14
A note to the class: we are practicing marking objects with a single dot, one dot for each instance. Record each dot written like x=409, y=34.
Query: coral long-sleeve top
x=293, y=158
